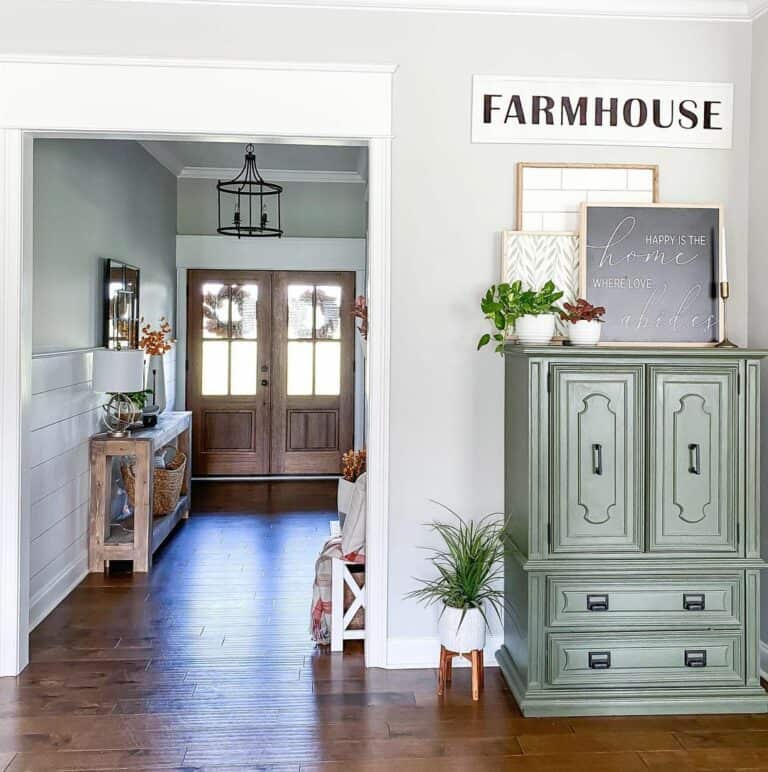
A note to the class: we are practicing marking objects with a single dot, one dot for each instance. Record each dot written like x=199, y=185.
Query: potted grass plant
x=468, y=565
x=530, y=313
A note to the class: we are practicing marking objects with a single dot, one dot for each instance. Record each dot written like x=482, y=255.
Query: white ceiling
x=738, y=10
x=276, y=162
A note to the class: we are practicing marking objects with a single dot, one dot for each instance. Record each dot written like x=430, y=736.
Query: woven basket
x=166, y=487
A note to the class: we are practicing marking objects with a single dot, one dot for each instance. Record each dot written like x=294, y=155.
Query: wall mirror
x=121, y=305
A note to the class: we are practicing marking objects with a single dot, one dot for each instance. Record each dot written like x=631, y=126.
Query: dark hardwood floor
x=207, y=664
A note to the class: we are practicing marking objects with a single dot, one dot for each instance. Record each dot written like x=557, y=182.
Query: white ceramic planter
x=465, y=637
x=534, y=330
x=346, y=489
x=156, y=379
x=584, y=333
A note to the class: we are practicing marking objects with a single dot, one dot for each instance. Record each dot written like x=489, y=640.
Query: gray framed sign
x=656, y=268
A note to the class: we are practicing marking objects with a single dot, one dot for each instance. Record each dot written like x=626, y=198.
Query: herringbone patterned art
x=534, y=258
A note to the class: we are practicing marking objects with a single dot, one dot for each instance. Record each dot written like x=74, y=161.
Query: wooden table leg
x=441, y=671
x=475, y=674
x=482, y=669
x=448, y=668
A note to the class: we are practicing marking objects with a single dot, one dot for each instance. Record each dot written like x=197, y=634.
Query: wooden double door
x=270, y=371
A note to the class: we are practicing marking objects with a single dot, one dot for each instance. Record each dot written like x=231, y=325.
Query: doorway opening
x=153, y=100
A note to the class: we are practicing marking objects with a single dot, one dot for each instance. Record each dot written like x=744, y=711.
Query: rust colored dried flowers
x=156, y=342
x=360, y=311
x=353, y=464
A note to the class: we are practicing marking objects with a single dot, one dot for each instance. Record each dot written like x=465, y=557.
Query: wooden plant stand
x=446, y=670
x=148, y=532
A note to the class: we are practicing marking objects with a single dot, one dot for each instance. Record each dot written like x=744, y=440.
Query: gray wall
x=95, y=199
x=308, y=209
x=758, y=264
x=450, y=198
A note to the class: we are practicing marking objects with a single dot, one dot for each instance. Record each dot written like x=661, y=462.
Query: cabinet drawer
x=605, y=602
x=650, y=659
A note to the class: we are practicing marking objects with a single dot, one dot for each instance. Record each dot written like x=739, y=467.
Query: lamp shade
x=118, y=371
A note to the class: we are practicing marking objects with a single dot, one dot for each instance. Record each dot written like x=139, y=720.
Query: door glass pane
x=328, y=368
x=243, y=374
x=244, y=299
x=215, y=310
x=300, y=311
x=328, y=312
x=215, y=367
x=299, y=368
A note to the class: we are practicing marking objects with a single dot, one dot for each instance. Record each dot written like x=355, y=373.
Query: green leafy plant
x=582, y=311
x=503, y=304
x=469, y=565
x=139, y=398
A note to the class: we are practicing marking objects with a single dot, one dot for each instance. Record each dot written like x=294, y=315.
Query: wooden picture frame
x=610, y=180
x=717, y=271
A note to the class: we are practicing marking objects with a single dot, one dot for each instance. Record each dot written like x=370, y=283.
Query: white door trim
x=144, y=99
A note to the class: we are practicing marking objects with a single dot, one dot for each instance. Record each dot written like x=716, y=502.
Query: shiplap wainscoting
x=65, y=413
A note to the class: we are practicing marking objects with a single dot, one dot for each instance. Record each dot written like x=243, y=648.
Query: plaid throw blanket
x=350, y=546
x=320, y=626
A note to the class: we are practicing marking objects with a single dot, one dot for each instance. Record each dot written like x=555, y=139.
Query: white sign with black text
x=602, y=112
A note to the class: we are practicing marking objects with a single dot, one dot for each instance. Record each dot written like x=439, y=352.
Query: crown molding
x=271, y=175
x=705, y=10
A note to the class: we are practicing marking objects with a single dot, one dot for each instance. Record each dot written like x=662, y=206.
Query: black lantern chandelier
x=254, y=203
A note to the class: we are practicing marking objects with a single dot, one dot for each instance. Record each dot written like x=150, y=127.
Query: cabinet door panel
x=694, y=458
x=597, y=459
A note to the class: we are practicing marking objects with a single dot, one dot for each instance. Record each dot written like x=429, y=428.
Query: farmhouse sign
x=655, y=268
x=602, y=112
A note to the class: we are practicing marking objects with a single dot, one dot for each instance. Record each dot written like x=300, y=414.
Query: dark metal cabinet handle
x=694, y=456
x=695, y=657
x=264, y=382
x=693, y=601
x=597, y=459
x=597, y=602
x=599, y=660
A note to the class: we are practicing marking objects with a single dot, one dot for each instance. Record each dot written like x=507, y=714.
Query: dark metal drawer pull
x=599, y=660
x=597, y=602
x=694, y=456
x=597, y=459
x=695, y=657
x=693, y=601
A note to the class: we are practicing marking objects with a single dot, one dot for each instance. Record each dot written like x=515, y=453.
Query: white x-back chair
x=340, y=619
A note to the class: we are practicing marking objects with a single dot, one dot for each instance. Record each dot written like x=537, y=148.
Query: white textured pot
x=346, y=489
x=584, y=333
x=534, y=330
x=465, y=637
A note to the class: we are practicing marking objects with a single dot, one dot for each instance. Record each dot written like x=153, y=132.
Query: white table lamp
x=118, y=372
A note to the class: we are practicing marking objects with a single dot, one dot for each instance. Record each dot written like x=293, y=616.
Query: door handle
x=597, y=459
x=694, y=457
x=264, y=382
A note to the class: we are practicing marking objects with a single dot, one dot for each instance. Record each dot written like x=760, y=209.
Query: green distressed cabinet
x=632, y=539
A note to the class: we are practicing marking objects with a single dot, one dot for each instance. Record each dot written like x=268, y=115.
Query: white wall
x=95, y=199
x=91, y=199
x=308, y=209
x=450, y=197
x=758, y=265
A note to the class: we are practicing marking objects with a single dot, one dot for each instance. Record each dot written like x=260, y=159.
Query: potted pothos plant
x=530, y=313
x=468, y=565
x=585, y=320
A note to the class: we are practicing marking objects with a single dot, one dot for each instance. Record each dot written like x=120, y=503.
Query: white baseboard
x=56, y=590
x=406, y=653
